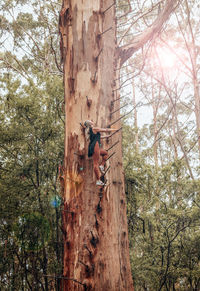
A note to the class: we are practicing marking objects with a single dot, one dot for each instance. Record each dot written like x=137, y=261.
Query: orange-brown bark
x=96, y=251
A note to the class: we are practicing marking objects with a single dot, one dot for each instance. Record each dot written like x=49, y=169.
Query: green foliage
x=162, y=171
x=163, y=220
x=32, y=231
x=31, y=148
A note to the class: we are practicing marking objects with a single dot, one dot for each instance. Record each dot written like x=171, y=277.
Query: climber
x=95, y=151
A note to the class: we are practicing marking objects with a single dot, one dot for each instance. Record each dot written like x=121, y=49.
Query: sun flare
x=163, y=58
x=166, y=57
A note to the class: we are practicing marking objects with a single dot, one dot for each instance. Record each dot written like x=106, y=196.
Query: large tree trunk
x=96, y=250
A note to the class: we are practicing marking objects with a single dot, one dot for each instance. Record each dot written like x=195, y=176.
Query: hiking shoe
x=101, y=167
x=100, y=183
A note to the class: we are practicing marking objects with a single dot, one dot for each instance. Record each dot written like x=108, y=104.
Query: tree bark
x=96, y=249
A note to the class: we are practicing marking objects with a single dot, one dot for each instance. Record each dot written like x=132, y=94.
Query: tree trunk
x=197, y=109
x=96, y=250
x=135, y=118
x=174, y=138
x=155, y=130
x=192, y=50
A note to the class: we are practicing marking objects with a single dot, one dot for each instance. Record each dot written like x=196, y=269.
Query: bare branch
x=130, y=9
x=10, y=66
x=135, y=21
x=126, y=51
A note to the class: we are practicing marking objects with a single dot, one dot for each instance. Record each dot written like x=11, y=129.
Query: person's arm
x=98, y=129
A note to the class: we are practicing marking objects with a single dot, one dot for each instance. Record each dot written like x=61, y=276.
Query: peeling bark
x=96, y=250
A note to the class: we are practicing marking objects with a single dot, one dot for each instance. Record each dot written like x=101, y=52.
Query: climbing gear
x=101, y=167
x=100, y=183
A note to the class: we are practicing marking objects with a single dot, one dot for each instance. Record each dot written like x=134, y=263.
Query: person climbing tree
x=95, y=151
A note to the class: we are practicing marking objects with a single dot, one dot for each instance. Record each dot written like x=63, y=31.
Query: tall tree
x=96, y=251
x=189, y=31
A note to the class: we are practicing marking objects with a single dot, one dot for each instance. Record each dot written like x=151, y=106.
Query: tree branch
x=126, y=51
x=135, y=21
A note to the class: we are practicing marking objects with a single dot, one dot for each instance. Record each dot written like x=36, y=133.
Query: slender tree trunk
x=179, y=139
x=192, y=50
x=155, y=129
x=174, y=138
x=135, y=118
x=197, y=108
x=96, y=250
x=156, y=101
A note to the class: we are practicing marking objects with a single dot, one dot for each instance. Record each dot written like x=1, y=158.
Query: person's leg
x=104, y=155
x=96, y=157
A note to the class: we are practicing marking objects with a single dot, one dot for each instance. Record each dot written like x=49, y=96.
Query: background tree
x=162, y=200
